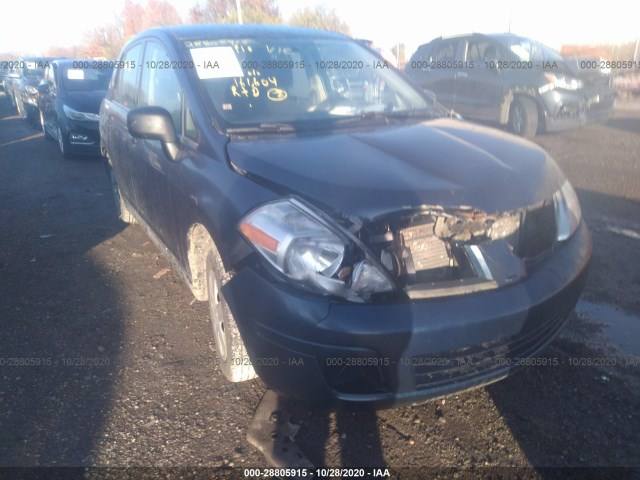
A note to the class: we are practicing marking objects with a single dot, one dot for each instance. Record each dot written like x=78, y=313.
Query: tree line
x=107, y=40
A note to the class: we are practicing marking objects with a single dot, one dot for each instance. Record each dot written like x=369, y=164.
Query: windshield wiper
x=389, y=115
x=418, y=113
x=264, y=128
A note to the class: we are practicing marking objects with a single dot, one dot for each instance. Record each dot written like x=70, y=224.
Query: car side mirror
x=154, y=123
x=43, y=88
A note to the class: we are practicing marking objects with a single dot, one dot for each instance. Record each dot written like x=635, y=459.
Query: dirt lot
x=106, y=359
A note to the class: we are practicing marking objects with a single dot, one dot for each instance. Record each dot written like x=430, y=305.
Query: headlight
x=563, y=82
x=311, y=252
x=80, y=116
x=568, y=211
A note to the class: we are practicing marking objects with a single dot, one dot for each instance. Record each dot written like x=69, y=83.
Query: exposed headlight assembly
x=80, y=116
x=312, y=252
x=568, y=213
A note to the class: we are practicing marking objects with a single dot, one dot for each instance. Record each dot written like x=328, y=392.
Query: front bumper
x=404, y=352
x=566, y=109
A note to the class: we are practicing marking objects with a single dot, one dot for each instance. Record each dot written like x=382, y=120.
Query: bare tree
x=132, y=18
x=68, y=52
x=104, y=41
x=321, y=18
x=107, y=40
x=159, y=13
x=224, y=11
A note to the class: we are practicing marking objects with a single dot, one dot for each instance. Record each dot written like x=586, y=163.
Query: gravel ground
x=107, y=360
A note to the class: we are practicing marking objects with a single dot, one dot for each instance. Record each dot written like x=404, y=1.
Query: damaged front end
x=423, y=252
x=436, y=251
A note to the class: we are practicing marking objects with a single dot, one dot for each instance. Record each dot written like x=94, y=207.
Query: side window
x=484, y=53
x=125, y=86
x=159, y=86
x=445, y=51
x=52, y=78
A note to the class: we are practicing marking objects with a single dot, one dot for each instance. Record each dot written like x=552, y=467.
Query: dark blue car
x=353, y=243
x=69, y=103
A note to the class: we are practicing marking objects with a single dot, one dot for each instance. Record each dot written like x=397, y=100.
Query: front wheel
x=63, y=144
x=232, y=354
x=19, y=106
x=44, y=127
x=523, y=118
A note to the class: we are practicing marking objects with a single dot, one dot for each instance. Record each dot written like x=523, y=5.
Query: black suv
x=511, y=80
x=69, y=103
x=352, y=242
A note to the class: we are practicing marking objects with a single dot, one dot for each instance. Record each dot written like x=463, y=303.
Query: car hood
x=88, y=101
x=444, y=162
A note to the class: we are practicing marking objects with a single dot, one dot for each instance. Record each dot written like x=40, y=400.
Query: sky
x=413, y=22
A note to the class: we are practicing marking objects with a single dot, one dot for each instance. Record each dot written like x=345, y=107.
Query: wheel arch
x=199, y=242
x=511, y=96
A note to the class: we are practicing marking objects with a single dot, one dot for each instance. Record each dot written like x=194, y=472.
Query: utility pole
x=635, y=52
x=239, y=8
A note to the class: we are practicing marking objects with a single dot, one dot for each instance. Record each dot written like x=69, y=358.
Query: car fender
x=510, y=95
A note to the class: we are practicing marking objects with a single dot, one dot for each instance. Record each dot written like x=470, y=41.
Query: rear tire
x=523, y=117
x=232, y=354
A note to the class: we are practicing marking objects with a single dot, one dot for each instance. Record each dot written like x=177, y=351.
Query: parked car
x=69, y=104
x=512, y=81
x=4, y=71
x=25, y=94
x=352, y=245
x=627, y=83
x=8, y=83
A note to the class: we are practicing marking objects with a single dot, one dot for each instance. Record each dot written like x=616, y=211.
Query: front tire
x=19, y=106
x=44, y=127
x=63, y=144
x=232, y=354
x=523, y=117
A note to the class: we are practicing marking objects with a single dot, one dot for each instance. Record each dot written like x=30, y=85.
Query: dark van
x=69, y=104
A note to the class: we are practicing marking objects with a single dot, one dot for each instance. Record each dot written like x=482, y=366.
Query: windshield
x=34, y=68
x=297, y=80
x=528, y=50
x=83, y=79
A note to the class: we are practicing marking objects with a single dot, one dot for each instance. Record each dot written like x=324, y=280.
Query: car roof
x=495, y=36
x=180, y=33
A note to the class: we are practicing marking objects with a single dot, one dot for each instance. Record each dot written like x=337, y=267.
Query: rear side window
x=160, y=86
x=421, y=54
x=445, y=51
x=125, y=85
